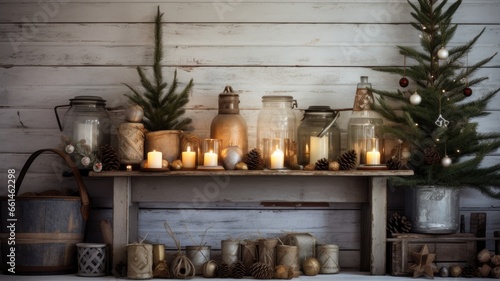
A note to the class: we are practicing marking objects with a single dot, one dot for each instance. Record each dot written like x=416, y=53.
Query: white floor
x=353, y=276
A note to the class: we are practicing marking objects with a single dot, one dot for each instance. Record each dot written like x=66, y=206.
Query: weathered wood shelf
x=367, y=187
x=204, y=173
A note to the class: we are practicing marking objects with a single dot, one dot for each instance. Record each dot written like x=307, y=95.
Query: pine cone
x=223, y=270
x=397, y=224
x=239, y=270
x=347, y=161
x=322, y=164
x=260, y=270
x=254, y=160
x=109, y=158
x=393, y=164
x=469, y=271
x=431, y=156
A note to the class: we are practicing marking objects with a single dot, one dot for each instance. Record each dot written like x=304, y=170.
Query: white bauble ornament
x=443, y=54
x=97, y=167
x=134, y=114
x=415, y=99
x=85, y=161
x=446, y=161
x=69, y=148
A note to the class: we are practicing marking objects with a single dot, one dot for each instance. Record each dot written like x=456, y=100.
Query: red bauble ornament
x=403, y=82
x=467, y=92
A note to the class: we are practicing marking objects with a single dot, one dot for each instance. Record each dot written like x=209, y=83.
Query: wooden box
x=449, y=249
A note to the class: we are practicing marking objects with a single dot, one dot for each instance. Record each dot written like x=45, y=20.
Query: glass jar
x=318, y=136
x=276, y=131
x=229, y=126
x=365, y=127
x=86, y=126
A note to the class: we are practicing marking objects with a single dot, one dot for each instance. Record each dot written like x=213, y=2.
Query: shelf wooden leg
x=121, y=218
x=378, y=210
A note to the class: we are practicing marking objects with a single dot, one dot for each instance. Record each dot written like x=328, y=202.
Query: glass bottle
x=318, y=136
x=88, y=125
x=365, y=127
x=276, y=131
x=229, y=126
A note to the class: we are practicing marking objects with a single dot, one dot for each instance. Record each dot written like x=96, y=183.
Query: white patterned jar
x=92, y=259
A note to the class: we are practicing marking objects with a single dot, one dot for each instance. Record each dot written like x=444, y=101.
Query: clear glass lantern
x=318, y=136
x=365, y=134
x=87, y=126
x=276, y=131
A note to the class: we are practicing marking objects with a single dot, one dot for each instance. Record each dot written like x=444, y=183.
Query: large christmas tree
x=436, y=112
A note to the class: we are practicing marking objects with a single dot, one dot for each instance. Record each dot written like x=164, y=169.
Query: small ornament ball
x=85, y=161
x=209, y=269
x=311, y=266
x=446, y=161
x=443, y=54
x=69, y=148
x=334, y=166
x=415, y=99
x=467, y=92
x=97, y=167
x=443, y=272
x=455, y=271
x=176, y=165
x=403, y=82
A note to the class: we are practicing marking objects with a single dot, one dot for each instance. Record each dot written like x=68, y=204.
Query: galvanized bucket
x=433, y=209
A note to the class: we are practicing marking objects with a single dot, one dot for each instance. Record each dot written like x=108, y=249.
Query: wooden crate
x=449, y=249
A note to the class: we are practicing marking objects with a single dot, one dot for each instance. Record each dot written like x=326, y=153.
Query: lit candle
x=373, y=157
x=210, y=159
x=154, y=159
x=189, y=158
x=277, y=159
x=129, y=168
x=319, y=149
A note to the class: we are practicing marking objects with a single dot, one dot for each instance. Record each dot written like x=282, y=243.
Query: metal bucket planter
x=433, y=209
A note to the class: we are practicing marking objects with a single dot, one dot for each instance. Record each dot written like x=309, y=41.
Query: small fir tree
x=162, y=108
x=444, y=89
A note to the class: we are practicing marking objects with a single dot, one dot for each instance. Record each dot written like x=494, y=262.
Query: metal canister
x=229, y=126
x=328, y=257
x=198, y=255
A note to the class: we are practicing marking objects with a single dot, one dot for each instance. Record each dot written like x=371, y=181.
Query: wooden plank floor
x=354, y=276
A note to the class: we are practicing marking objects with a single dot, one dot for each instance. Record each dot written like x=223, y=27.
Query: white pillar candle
x=154, y=159
x=210, y=159
x=319, y=149
x=189, y=158
x=277, y=159
x=373, y=157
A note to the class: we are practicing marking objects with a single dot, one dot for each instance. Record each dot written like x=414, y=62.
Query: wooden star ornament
x=423, y=263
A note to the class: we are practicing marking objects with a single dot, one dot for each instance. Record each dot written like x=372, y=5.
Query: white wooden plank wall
x=315, y=51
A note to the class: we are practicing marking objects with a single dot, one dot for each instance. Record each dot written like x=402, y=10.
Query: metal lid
x=87, y=100
x=319, y=110
x=276, y=98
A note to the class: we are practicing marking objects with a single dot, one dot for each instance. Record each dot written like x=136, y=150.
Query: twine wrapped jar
x=139, y=261
x=248, y=253
x=267, y=251
x=198, y=255
x=328, y=257
x=288, y=255
x=305, y=242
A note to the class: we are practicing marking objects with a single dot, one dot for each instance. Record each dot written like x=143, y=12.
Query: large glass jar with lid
x=365, y=134
x=276, y=131
x=318, y=136
x=87, y=125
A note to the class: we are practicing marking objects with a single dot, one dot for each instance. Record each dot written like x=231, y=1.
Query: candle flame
x=188, y=149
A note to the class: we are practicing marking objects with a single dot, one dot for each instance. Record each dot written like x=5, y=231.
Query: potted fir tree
x=163, y=107
x=436, y=117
